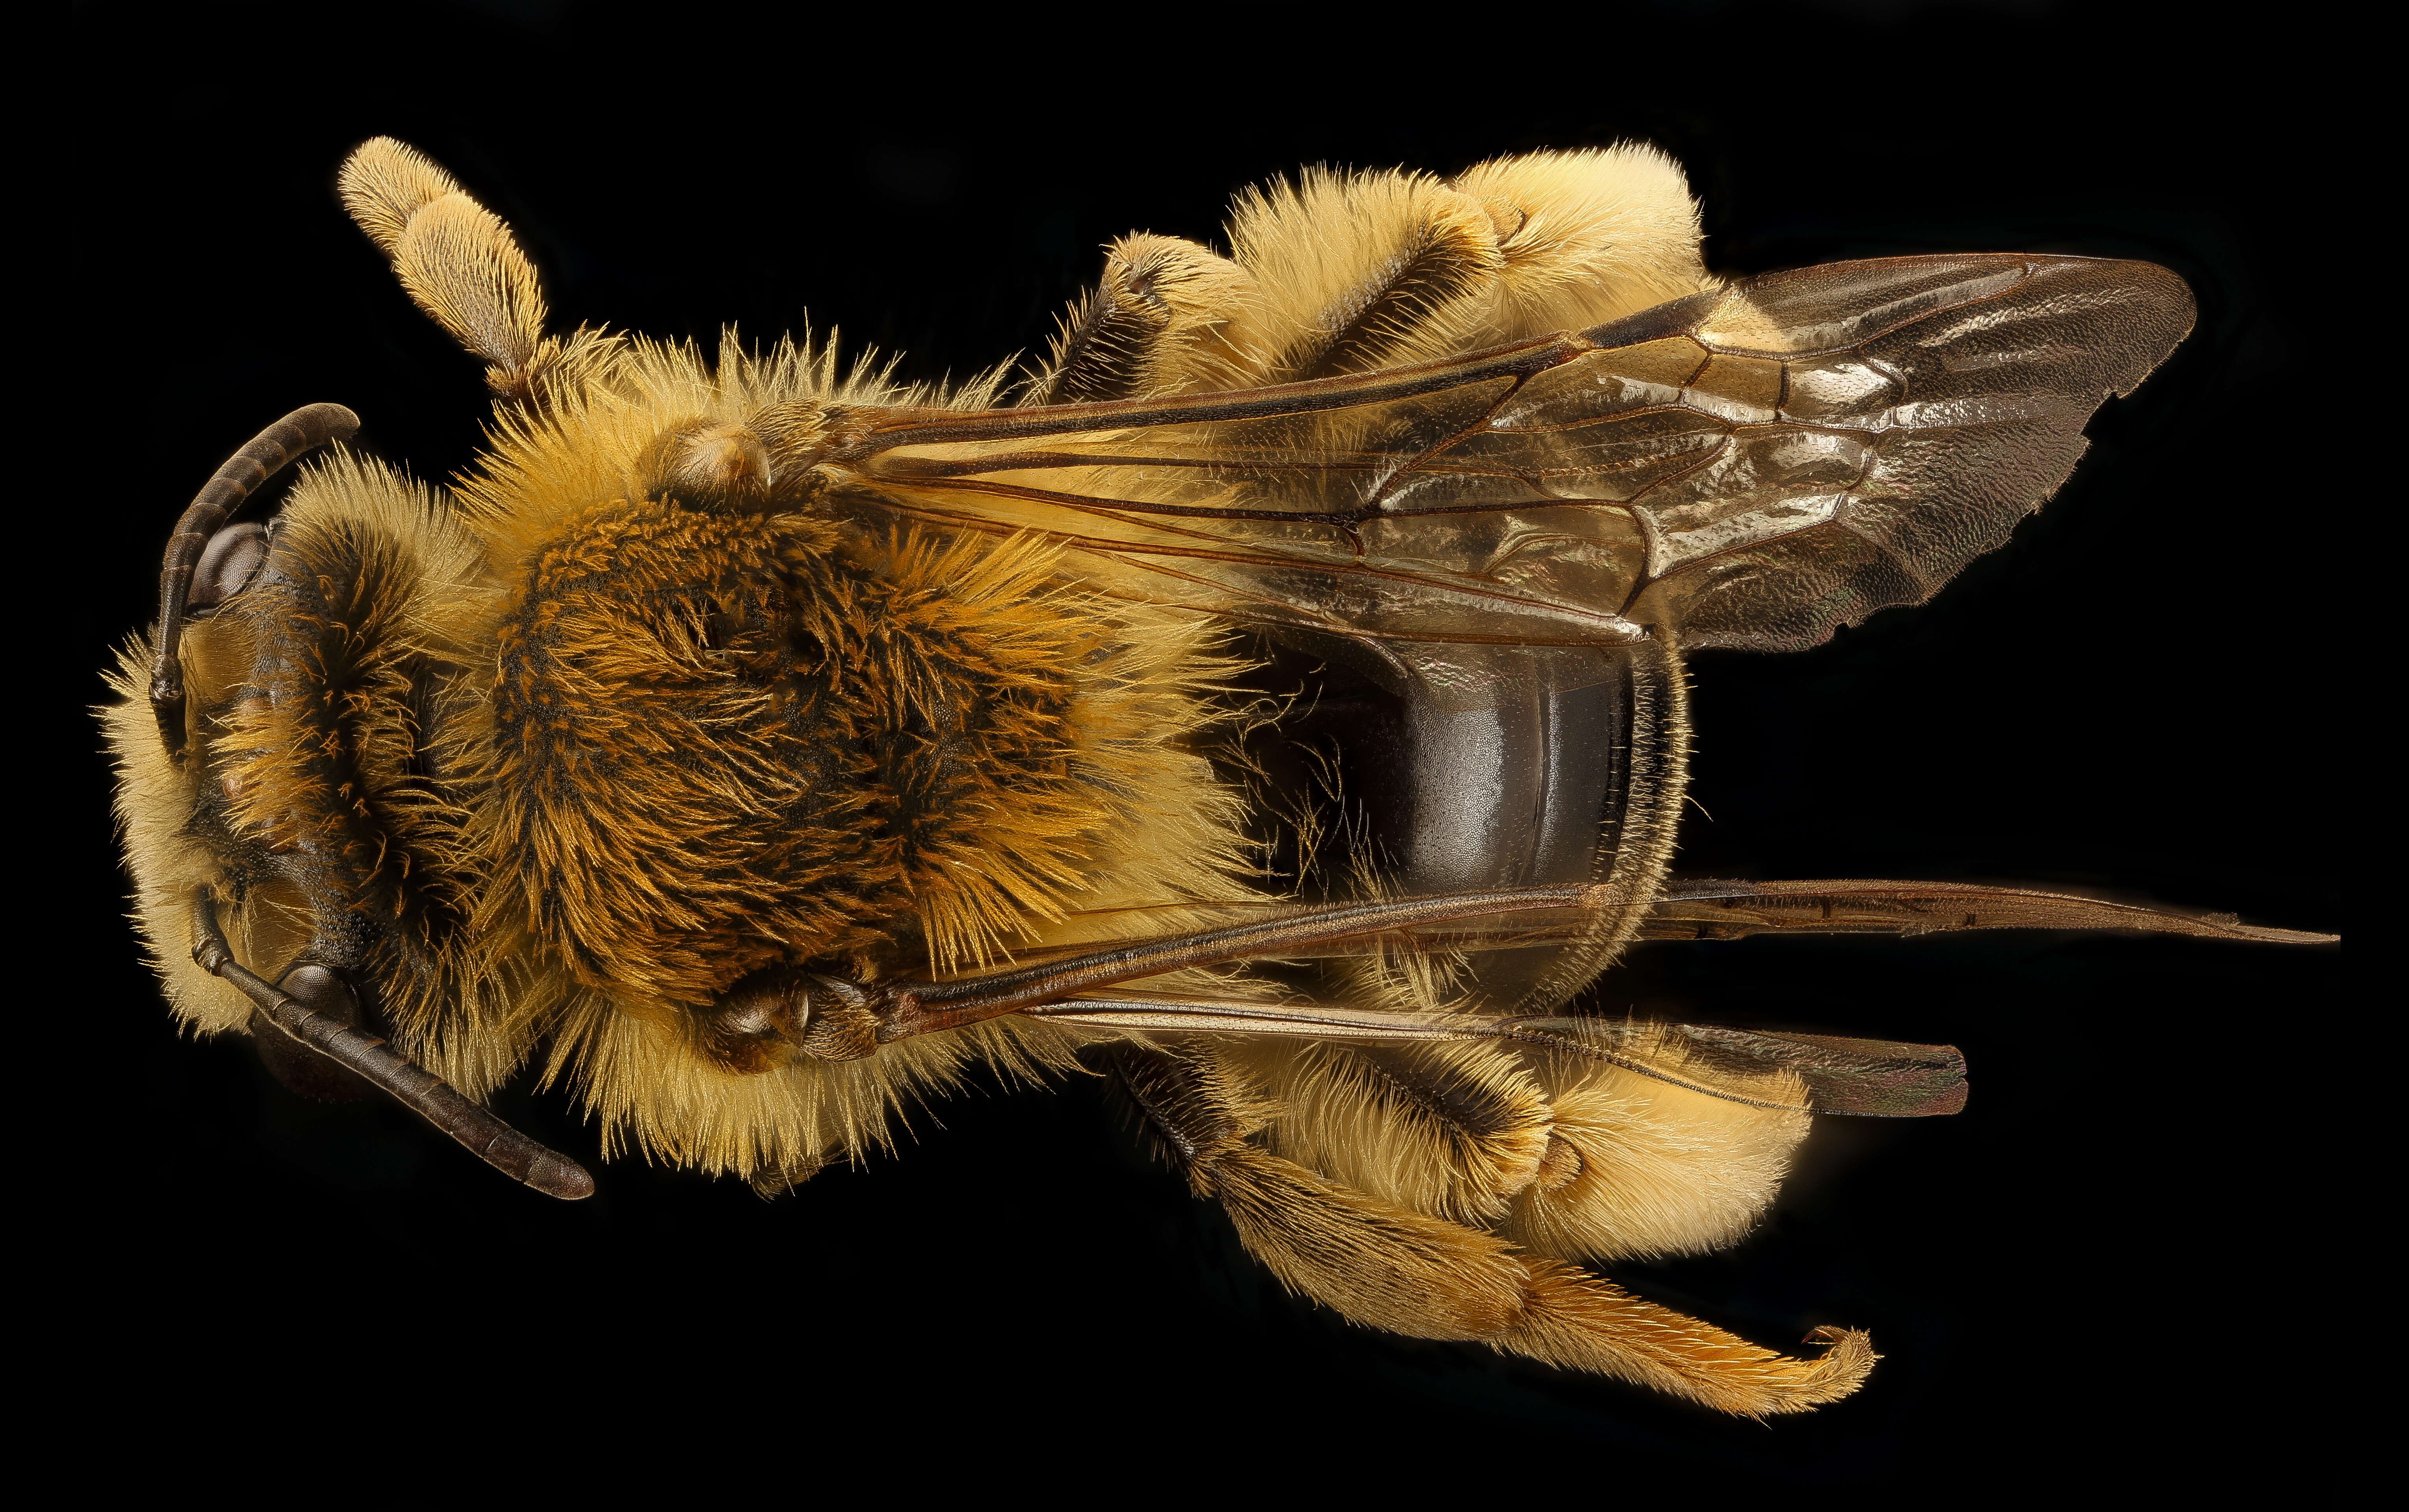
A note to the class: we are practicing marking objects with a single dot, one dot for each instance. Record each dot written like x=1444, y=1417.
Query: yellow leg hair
x=1387, y=1267
x=1381, y=1266
x=1577, y=1321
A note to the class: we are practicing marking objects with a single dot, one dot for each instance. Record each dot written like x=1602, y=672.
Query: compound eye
x=228, y=563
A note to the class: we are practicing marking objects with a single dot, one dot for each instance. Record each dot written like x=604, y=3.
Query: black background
x=2083, y=1274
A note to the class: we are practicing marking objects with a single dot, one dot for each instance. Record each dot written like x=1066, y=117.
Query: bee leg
x=1454, y=1130
x=1387, y=1267
x=1157, y=322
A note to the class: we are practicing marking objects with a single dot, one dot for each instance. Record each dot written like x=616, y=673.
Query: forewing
x=1817, y=1072
x=1704, y=910
x=1957, y=387
x=1870, y=1078
x=1271, y=505
x=1713, y=910
x=1756, y=465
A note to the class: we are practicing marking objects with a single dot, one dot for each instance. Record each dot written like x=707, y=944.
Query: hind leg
x=1387, y=1267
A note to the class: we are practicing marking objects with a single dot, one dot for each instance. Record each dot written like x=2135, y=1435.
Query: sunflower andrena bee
x=1272, y=702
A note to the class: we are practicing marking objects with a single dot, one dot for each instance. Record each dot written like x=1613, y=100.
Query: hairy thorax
x=730, y=742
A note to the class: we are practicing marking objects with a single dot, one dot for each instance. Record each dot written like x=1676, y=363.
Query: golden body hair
x=677, y=733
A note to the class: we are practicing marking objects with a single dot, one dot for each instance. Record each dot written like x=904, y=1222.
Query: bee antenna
x=409, y=1082
x=267, y=454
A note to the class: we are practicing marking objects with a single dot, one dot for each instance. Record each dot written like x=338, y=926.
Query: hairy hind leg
x=1388, y=1267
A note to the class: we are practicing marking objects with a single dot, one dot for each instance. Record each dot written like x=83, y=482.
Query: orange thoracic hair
x=725, y=735
x=724, y=741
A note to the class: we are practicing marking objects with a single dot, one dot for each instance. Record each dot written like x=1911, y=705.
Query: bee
x=1272, y=703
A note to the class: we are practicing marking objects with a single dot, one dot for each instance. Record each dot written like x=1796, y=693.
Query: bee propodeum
x=1272, y=702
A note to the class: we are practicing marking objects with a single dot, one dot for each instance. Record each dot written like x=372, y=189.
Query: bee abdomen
x=1156, y=324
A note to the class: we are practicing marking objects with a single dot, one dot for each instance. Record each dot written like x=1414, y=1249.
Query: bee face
x=701, y=635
